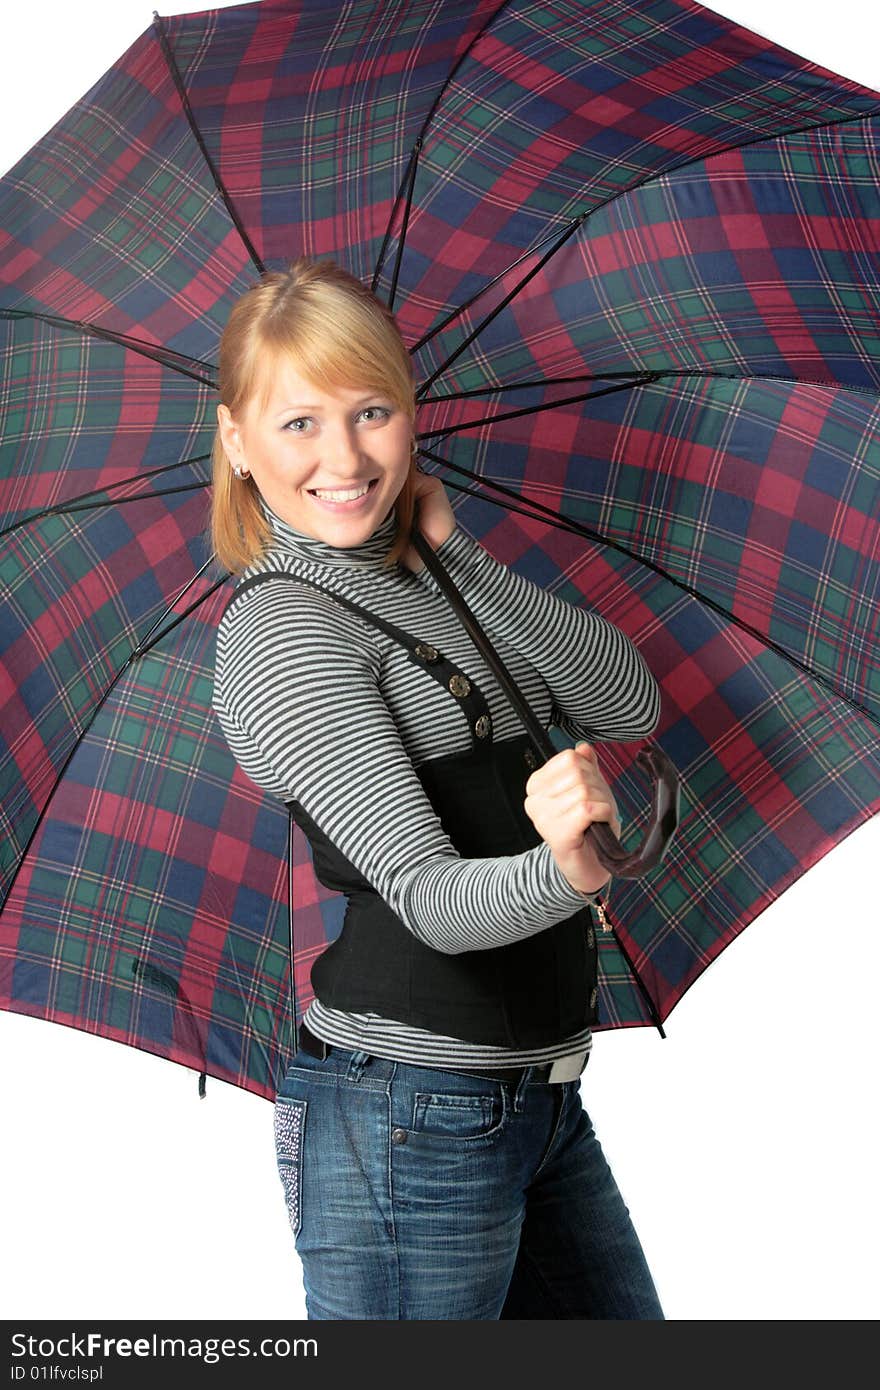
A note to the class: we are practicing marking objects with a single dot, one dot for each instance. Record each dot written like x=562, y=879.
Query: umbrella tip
x=202, y=1079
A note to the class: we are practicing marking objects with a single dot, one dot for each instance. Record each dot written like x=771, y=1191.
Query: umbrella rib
x=401, y=240
x=537, y=409
x=409, y=175
x=249, y=1011
x=139, y=650
x=466, y=341
x=490, y=284
x=538, y=511
x=66, y=509
x=767, y=376
x=81, y=504
x=648, y=375
x=166, y=357
x=146, y=645
x=387, y=237
x=275, y=1033
x=200, y=141
x=493, y=388
x=453, y=71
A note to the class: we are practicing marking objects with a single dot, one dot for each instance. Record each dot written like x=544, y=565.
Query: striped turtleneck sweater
x=320, y=708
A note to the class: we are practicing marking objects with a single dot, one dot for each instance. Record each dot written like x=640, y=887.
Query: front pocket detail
x=290, y=1125
x=456, y=1117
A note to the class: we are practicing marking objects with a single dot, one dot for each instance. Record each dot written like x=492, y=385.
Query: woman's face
x=309, y=446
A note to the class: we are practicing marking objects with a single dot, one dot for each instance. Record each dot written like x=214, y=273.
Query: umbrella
x=630, y=247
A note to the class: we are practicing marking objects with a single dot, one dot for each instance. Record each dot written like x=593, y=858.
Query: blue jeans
x=414, y=1193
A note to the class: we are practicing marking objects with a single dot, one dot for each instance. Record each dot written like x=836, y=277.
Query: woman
x=436, y=1159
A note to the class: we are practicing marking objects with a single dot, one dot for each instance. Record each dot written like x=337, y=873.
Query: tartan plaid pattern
x=81, y=415
x=755, y=262
x=640, y=285
x=151, y=905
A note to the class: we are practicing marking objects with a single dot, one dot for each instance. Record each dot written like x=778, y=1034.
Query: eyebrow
x=373, y=395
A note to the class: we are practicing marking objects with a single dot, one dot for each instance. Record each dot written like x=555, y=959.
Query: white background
x=745, y=1143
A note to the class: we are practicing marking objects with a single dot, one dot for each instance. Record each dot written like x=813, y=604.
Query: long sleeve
x=600, y=685
x=297, y=691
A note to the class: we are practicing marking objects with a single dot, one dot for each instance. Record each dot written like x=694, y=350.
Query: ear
x=230, y=436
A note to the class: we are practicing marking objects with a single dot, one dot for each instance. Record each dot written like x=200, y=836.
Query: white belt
x=568, y=1068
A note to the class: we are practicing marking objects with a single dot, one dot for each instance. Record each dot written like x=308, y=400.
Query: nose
x=345, y=453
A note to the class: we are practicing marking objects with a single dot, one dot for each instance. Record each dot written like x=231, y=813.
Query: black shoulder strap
x=424, y=654
x=544, y=745
x=542, y=741
x=392, y=630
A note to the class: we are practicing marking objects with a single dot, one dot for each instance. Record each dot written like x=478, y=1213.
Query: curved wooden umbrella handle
x=661, y=824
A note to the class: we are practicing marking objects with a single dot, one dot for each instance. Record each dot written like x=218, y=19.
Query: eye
x=381, y=409
x=300, y=420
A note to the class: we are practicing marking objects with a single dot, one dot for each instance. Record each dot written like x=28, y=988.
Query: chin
x=342, y=533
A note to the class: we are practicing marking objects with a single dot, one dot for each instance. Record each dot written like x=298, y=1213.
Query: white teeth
x=347, y=496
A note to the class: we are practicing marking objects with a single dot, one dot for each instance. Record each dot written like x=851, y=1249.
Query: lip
x=356, y=505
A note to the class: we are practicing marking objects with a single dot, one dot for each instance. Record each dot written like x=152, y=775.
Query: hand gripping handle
x=652, y=759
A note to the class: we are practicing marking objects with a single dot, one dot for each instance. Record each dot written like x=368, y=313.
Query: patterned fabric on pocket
x=290, y=1125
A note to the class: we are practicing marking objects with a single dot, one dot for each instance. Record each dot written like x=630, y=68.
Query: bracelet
x=600, y=909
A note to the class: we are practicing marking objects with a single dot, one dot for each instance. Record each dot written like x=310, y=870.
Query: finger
x=579, y=804
x=599, y=810
x=565, y=769
x=564, y=780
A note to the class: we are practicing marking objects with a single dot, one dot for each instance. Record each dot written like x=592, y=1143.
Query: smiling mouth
x=348, y=494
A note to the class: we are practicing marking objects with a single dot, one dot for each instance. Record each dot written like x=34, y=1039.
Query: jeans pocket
x=463, y=1117
x=290, y=1128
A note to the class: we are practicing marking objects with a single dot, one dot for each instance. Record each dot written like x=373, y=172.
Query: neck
x=368, y=554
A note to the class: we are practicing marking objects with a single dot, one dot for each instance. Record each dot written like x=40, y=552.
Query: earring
x=238, y=473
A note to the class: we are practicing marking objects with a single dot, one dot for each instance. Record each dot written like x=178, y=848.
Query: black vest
x=532, y=993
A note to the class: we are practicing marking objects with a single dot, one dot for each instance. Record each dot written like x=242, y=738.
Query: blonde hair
x=336, y=333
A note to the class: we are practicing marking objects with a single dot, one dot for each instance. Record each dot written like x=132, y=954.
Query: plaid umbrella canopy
x=631, y=248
